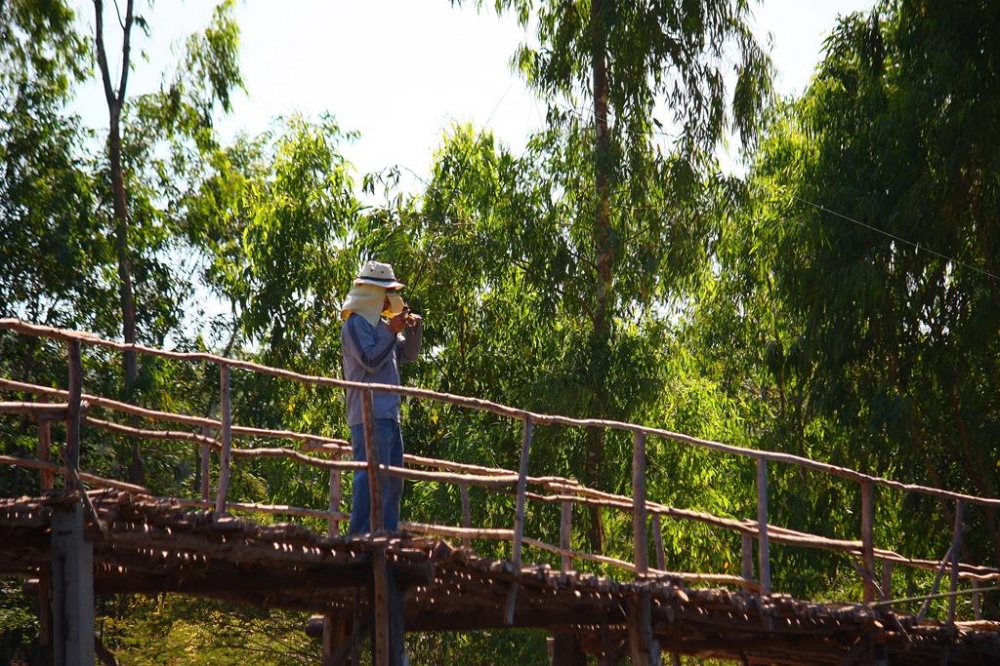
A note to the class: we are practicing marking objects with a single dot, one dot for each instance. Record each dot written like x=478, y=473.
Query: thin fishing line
x=894, y=237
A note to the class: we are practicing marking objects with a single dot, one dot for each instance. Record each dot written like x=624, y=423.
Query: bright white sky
x=401, y=72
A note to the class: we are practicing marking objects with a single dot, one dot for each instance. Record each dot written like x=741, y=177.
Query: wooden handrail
x=499, y=409
x=564, y=491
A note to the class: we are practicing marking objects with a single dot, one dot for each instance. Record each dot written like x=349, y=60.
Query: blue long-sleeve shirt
x=372, y=354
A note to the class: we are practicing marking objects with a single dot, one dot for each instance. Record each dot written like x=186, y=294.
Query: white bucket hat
x=380, y=275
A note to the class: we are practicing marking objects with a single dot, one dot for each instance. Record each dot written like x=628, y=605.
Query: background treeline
x=838, y=300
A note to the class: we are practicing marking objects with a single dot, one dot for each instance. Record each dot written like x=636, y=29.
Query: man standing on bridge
x=379, y=332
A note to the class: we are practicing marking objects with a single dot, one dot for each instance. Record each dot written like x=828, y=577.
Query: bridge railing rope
x=75, y=403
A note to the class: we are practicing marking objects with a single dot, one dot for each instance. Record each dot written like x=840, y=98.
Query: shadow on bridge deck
x=143, y=544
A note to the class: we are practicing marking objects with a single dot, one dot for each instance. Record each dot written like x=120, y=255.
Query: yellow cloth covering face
x=396, y=305
x=366, y=300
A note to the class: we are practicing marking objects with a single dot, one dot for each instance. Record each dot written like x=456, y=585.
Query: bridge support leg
x=338, y=641
x=567, y=651
x=643, y=646
x=72, y=589
x=387, y=633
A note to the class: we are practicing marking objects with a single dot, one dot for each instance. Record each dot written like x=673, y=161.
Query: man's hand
x=397, y=323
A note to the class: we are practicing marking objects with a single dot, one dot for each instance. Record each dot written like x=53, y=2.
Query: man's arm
x=413, y=337
x=371, y=346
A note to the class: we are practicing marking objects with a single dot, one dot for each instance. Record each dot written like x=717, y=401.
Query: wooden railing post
x=763, y=547
x=333, y=523
x=206, y=465
x=226, y=434
x=868, y=540
x=661, y=558
x=747, y=559
x=522, y=489
x=887, y=566
x=377, y=520
x=956, y=546
x=566, y=535
x=977, y=611
x=640, y=537
x=47, y=480
x=73, y=414
x=466, y=513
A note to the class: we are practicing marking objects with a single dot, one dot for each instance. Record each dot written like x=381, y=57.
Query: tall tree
x=871, y=247
x=214, y=56
x=628, y=57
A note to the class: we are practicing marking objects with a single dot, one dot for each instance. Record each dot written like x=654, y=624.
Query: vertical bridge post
x=763, y=548
x=639, y=535
x=643, y=646
x=566, y=535
x=868, y=540
x=522, y=489
x=72, y=589
x=376, y=516
x=226, y=417
x=333, y=524
x=206, y=464
x=73, y=415
x=956, y=545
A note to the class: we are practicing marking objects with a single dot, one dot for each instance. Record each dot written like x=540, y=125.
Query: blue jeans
x=389, y=443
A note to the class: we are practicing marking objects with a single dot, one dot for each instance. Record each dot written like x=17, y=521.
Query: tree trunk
x=115, y=100
x=603, y=252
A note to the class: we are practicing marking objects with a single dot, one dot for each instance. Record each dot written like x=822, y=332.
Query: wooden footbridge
x=90, y=535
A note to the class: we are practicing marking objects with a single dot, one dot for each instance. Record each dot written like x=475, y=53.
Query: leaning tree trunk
x=116, y=100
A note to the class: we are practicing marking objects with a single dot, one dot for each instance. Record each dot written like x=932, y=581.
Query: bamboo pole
x=867, y=540
x=640, y=538
x=566, y=534
x=977, y=612
x=73, y=413
x=226, y=436
x=763, y=547
x=377, y=521
x=522, y=483
x=956, y=548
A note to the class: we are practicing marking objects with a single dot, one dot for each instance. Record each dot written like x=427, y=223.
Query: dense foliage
x=841, y=301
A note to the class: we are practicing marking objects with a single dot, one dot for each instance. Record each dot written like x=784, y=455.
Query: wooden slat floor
x=144, y=544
